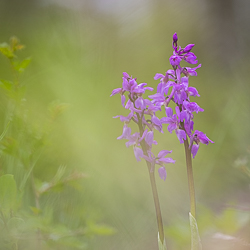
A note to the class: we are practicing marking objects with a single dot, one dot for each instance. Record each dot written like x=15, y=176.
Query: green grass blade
x=195, y=237
x=160, y=245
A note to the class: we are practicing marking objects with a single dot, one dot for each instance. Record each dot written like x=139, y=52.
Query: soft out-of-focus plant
x=36, y=213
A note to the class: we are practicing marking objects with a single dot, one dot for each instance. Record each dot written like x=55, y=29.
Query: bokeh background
x=79, y=50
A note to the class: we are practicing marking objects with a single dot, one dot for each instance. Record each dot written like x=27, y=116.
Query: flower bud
x=188, y=48
x=175, y=38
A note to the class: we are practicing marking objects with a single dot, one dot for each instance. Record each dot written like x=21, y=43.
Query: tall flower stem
x=153, y=186
x=156, y=199
x=190, y=179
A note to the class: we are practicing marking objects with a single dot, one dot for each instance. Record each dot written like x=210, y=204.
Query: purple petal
x=177, y=98
x=143, y=135
x=162, y=173
x=116, y=91
x=129, y=104
x=158, y=76
x=171, y=73
x=124, y=118
x=123, y=99
x=177, y=110
x=192, y=107
x=175, y=60
x=178, y=74
x=163, y=153
x=202, y=137
x=188, y=48
x=166, y=120
x=125, y=74
x=183, y=95
x=193, y=91
x=125, y=84
x=165, y=160
x=184, y=81
x=141, y=85
x=156, y=120
x=191, y=71
x=133, y=139
x=149, y=88
x=184, y=115
x=132, y=84
x=126, y=133
x=166, y=88
x=171, y=127
x=155, y=142
x=189, y=127
x=138, y=153
x=157, y=97
x=149, y=138
x=160, y=88
x=181, y=134
x=194, y=149
x=139, y=103
x=169, y=112
x=191, y=58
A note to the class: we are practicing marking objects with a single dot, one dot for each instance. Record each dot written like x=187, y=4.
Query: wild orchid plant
x=173, y=86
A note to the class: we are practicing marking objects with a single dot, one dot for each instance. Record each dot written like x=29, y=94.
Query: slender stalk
x=153, y=186
x=155, y=196
x=190, y=179
x=157, y=203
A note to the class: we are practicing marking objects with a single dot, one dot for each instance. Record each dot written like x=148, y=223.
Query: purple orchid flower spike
x=181, y=122
x=173, y=87
x=139, y=108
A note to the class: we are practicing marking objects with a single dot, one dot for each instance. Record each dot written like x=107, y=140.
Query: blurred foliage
x=28, y=215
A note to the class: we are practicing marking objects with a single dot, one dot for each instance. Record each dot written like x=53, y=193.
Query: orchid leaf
x=195, y=237
x=162, y=246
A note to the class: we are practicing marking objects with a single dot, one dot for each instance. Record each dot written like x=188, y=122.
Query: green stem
x=153, y=185
x=155, y=195
x=190, y=178
x=157, y=203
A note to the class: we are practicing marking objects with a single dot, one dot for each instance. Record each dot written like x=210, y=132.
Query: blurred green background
x=79, y=50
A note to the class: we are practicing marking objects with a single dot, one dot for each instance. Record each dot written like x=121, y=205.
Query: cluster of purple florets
x=173, y=86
